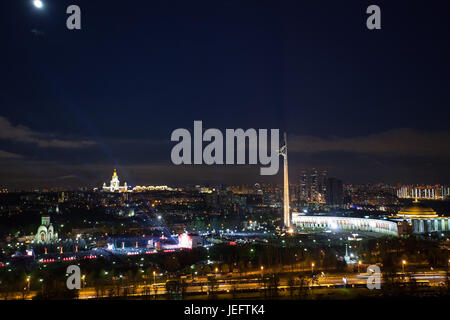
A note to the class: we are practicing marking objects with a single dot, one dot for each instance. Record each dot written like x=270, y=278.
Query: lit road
x=200, y=285
x=251, y=282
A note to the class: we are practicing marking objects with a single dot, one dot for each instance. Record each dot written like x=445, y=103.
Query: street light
x=403, y=265
x=312, y=267
x=28, y=283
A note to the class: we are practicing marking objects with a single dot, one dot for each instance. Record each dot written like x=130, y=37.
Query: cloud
x=9, y=155
x=71, y=176
x=21, y=133
x=399, y=142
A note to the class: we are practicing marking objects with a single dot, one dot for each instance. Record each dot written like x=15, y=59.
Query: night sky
x=369, y=106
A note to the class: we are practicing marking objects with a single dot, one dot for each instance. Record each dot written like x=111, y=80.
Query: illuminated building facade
x=339, y=224
x=189, y=240
x=152, y=188
x=418, y=219
x=45, y=232
x=303, y=186
x=115, y=184
x=313, y=186
x=436, y=192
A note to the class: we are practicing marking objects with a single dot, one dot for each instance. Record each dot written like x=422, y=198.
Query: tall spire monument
x=286, y=213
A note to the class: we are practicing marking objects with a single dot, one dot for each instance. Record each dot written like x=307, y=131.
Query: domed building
x=420, y=219
x=417, y=211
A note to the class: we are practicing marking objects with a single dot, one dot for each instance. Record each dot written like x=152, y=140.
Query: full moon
x=38, y=3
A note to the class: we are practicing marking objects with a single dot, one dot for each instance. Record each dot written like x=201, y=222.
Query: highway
x=251, y=282
x=200, y=284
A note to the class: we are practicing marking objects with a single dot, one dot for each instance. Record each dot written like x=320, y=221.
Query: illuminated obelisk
x=286, y=213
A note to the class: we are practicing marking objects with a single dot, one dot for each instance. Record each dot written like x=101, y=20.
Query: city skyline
x=144, y=155
x=295, y=179
x=352, y=100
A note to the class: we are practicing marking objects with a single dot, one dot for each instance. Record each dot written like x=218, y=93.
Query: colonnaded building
x=342, y=224
x=415, y=219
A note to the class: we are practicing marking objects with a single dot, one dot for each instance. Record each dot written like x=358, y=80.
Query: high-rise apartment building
x=334, y=192
x=313, y=185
